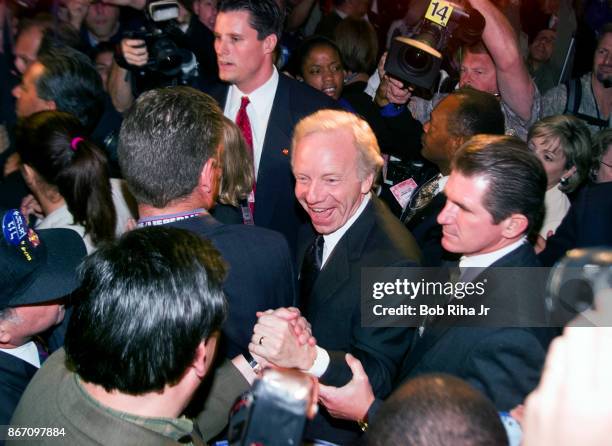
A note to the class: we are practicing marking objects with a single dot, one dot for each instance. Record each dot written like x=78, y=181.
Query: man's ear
x=515, y=225
x=205, y=355
x=207, y=178
x=5, y=335
x=50, y=105
x=270, y=42
x=366, y=184
x=28, y=173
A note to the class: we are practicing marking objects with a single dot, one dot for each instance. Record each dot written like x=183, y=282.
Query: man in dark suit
x=335, y=161
x=266, y=106
x=38, y=270
x=459, y=116
x=486, y=218
x=170, y=154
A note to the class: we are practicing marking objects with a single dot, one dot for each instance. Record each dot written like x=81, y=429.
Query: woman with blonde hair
x=237, y=178
x=563, y=145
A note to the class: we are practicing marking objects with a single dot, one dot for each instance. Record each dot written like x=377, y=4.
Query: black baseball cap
x=36, y=266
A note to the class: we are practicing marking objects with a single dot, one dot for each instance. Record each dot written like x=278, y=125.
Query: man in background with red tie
x=265, y=105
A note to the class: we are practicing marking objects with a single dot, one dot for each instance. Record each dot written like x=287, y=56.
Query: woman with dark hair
x=68, y=176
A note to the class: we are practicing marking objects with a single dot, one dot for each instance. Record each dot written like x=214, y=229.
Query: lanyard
x=169, y=218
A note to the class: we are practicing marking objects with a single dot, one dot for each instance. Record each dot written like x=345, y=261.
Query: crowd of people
x=190, y=201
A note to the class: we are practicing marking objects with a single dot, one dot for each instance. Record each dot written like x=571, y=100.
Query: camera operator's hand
x=390, y=90
x=351, y=401
x=135, y=52
x=275, y=339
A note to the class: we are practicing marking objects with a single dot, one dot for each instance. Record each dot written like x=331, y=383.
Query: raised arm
x=515, y=86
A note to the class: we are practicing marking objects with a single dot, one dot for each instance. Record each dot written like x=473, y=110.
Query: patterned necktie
x=421, y=199
x=244, y=124
x=311, y=266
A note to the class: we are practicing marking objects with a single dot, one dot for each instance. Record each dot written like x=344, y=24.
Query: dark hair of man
x=436, y=410
x=168, y=133
x=356, y=39
x=605, y=29
x=517, y=180
x=79, y=169
x=478, y=112
x=72, y=82
x=145, y=304
x=266, y=16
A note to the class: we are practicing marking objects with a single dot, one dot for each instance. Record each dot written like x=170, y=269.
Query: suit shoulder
x=391, y=232
x=252, y=236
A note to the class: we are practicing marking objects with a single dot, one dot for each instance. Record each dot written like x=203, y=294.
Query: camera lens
x=415, y=60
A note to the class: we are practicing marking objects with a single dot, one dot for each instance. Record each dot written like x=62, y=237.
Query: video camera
x=274, y=411
x=416, y=61
x=165, y=41
x=574, y=282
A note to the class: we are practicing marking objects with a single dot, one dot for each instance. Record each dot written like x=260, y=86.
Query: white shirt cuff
x=321, y=363
x=373, y=83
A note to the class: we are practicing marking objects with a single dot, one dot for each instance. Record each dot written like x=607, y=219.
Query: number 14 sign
x=439, y=12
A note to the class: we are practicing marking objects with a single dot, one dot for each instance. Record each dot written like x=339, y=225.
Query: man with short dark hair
x=437, y=409
x=266, y=106
x=177, y=133
x=486, y=219
x=138, y=345
x=60, y=79
x=459, y=116
x=38, y=270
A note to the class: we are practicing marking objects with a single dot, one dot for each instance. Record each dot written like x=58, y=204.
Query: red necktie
x=244, y=124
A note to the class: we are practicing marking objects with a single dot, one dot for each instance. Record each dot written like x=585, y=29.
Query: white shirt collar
x=26, y=352
x=258, y=111
x=331, y=240
x=486, y=260
x=442, y=183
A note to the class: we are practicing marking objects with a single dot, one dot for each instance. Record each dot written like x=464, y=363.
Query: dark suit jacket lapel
x=349, y=249
x=275, y=153
x=219, y=93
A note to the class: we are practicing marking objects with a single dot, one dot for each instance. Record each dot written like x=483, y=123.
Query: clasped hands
x=284, y=338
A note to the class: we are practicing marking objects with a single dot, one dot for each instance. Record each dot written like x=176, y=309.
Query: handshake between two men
x=283, y=338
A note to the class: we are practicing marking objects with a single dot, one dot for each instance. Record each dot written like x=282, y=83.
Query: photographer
x=494, y=66
x=133, y=71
